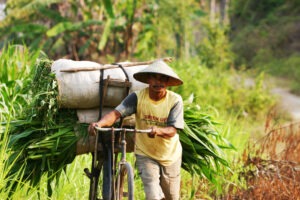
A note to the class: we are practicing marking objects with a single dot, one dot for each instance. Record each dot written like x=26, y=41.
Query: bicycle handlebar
x=124, y=129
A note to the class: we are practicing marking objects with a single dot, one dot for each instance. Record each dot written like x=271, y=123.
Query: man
x=158, y=154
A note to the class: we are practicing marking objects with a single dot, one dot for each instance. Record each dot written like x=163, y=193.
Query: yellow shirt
x=155, y=113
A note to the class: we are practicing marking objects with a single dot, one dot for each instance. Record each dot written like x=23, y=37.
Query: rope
x=122, y=68
x=101, y=86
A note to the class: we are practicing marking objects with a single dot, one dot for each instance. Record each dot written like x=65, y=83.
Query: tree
x=104, y=30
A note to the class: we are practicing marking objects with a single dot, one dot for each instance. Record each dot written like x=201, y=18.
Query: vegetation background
x=217, y=46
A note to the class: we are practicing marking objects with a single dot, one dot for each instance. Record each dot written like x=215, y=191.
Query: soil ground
x=288, y=102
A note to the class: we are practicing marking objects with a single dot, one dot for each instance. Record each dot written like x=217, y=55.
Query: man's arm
x=107, y=120
x=175, y=121
x=127, y=107
x=165, y=132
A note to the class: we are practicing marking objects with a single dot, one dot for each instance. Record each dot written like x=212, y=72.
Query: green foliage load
x=43, y=141
x=203, y=145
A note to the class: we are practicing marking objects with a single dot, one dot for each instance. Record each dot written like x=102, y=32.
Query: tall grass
x=16, y=64
x=3, y=158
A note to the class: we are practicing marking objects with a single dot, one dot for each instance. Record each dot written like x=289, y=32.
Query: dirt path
x=288, y=102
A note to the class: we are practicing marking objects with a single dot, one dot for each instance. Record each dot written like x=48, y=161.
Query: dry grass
x=272, y=166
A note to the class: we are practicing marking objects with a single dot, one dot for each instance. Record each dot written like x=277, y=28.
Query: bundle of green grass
x=44, y=141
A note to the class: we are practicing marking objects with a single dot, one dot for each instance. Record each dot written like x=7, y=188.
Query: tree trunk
x=222, y=11
x=224, y=19
x=129, y=33
x=212, y=11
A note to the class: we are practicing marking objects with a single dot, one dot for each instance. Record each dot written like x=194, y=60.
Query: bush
x=224, y=90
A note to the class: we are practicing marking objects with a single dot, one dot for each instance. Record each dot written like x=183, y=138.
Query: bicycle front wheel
x=125, y=190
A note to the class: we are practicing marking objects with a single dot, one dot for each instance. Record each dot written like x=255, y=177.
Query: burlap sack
x=81, y=89
x=87, y=145
x=91, y=115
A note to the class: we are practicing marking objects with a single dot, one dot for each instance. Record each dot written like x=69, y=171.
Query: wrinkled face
x=158, y=82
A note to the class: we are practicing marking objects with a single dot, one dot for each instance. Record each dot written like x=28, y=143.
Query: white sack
x=91, y=115
x=81, y=89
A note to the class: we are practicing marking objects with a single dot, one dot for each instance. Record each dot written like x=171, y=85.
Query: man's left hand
x=153, y=132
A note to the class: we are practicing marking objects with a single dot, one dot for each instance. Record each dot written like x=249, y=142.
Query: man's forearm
x=165, y=132
x=109, y=119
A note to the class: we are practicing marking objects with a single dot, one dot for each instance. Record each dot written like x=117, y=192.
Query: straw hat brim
x=158, y=67
x=143, y=77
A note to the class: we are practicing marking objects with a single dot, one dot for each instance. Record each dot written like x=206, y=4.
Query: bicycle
x=113, y=179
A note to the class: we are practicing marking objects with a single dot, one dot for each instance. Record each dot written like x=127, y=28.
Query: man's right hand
x=91, y=128
x=108, y=120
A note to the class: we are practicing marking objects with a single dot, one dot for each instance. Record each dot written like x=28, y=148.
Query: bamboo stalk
x=111, y=66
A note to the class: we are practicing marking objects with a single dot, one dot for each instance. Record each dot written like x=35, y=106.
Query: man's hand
x=165, y=132
x=91, y=128
x=153, y=132
x=108, y=120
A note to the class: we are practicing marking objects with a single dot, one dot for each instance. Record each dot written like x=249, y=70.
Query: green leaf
x=109, y=8
x=60, y=28
x=52, y=14
x=70, y=26
x=29, y=28
x=202, y=150
x=14, y=138
x=105, y=34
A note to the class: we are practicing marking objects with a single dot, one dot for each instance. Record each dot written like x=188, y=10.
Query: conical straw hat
x=158, y=67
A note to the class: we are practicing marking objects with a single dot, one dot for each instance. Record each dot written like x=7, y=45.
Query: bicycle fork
x=125, y=169
x=95, y=172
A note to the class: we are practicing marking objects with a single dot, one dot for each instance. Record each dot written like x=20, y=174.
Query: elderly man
x=158, y=154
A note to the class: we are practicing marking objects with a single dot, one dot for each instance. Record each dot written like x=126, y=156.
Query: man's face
x=158, y=82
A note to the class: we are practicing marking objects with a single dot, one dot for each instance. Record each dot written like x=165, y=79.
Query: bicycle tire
x=125, y=171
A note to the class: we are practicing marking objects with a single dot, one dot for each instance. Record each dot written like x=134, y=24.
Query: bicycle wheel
x=125, y=172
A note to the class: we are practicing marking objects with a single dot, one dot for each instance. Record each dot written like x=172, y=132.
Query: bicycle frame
x=109, y=163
